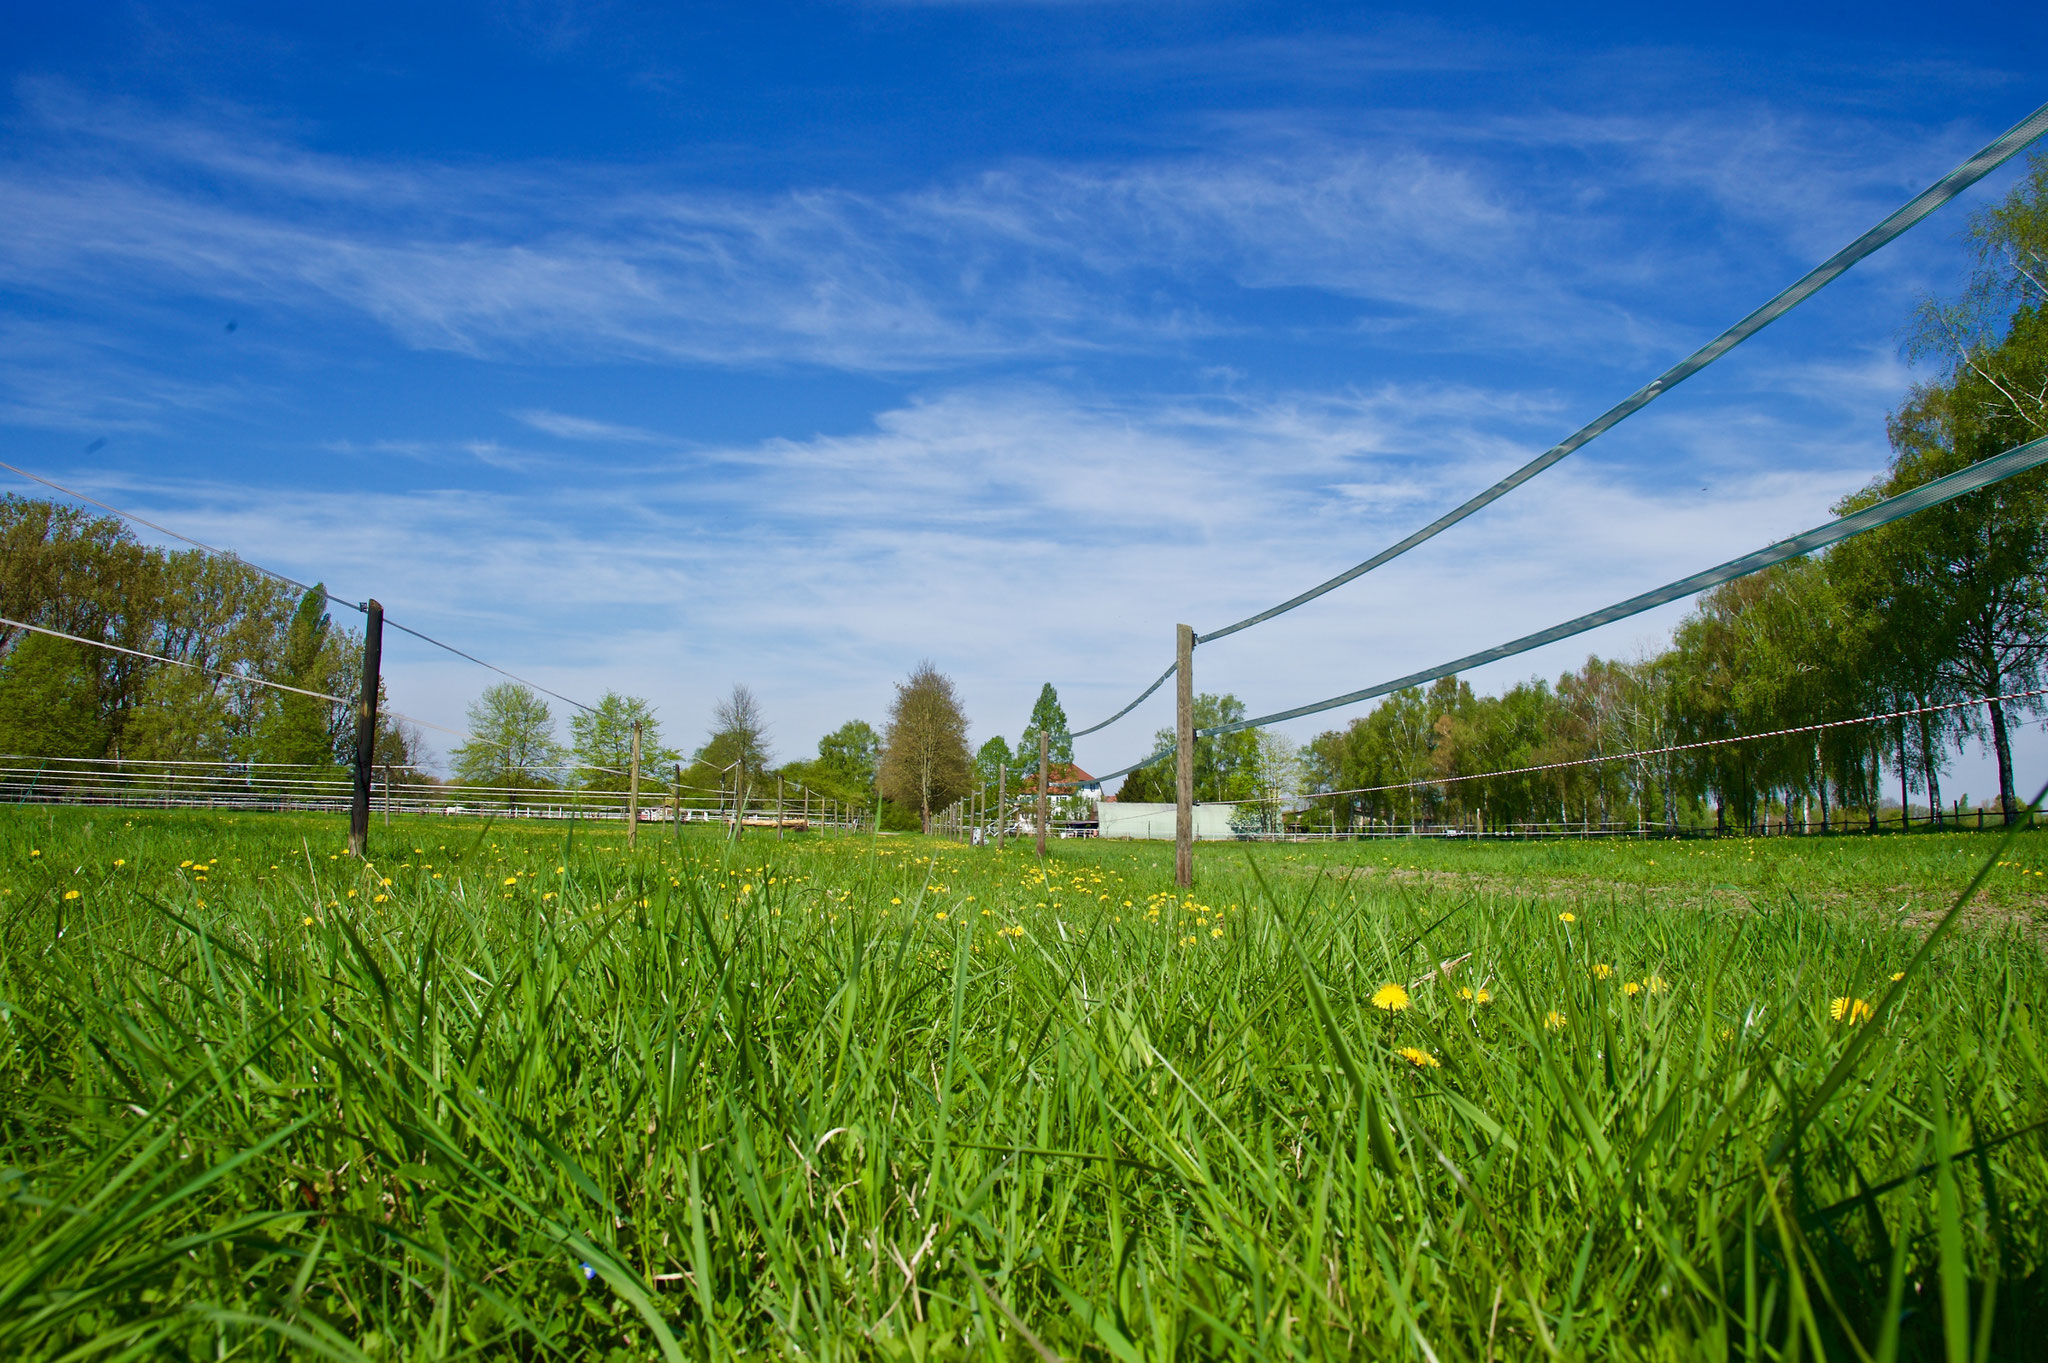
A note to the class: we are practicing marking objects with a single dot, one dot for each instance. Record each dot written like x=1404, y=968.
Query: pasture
x=511, y=1089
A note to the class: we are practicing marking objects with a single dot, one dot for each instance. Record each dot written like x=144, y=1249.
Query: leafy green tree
x=992, y=757
x=1991, y=341
x=299, y=729
x=1978, y=562
x=1971, y=571
x=925, y=765
x=1049, y=718
x=49, y=706
x=852, y=753
x=602, y=743
x=512, y=740
x=1226, y=765
x=183, y=715
x=1149, y=785
x=844, y=769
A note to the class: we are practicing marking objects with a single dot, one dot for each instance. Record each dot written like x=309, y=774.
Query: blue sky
x=658, y=351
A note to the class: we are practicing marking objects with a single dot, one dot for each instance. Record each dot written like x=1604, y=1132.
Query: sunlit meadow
x=516, y=1089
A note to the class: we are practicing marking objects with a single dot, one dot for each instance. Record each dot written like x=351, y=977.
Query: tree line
x=218, y=620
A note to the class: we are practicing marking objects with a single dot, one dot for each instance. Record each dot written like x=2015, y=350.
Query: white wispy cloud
x=1425, y=227
x=587, y=429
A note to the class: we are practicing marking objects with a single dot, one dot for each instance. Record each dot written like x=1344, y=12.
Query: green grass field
x=505, y=1092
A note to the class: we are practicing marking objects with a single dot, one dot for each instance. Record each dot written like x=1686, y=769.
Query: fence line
x=137, y=783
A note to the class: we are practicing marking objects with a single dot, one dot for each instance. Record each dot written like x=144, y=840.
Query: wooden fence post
x=1184, y=757
x=633, y=792
x=1044, y=793
x=1002, y=801
x=366, y=730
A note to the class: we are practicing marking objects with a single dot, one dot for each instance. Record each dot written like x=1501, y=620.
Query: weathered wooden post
x=633, y=792
x=675, y=804
x=1002, y=802
x=1184, y=757
x=366, y=730
x=739, y=794
x=387, y=795
x=1044, y=794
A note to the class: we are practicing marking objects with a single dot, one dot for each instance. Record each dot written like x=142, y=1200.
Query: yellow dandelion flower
x=1419, y=1058
x=1215, y=932
x=1391, y=998
x=1897, y=975
x=1471, y=995
x=1603, y=971
x=941, y=917
x=895, y=901
x=71, y=894
x=306, y=922
x=511, y=880
x=1631, y=989
x=123, y=861
x=1567, y=918
x=379, y=899
x=351, y=894
x=1850, y=1010
x=1554, y=1020
x=1655, y=984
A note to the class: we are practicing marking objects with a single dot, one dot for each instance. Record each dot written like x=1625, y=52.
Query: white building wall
x=1137, y=819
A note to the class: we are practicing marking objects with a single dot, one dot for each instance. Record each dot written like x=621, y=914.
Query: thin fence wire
x=162, y=529
x=273, y=574
x=139, y=783
x=175, y=662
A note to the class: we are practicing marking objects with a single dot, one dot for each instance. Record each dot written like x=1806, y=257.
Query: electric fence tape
x=2010, y=143
x=1982, y=474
